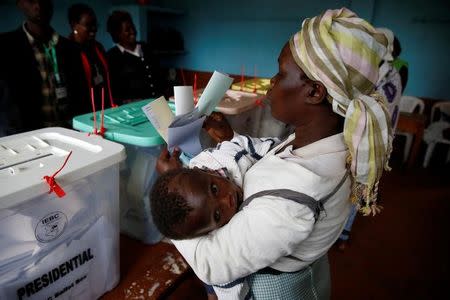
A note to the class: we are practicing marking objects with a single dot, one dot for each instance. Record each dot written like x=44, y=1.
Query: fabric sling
x=312, y=282
x=316, y=206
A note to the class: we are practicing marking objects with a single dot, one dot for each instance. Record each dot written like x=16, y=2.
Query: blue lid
x=124, y=124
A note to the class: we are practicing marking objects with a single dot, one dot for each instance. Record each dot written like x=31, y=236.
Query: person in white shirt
x=135, y=71
x=325, y=89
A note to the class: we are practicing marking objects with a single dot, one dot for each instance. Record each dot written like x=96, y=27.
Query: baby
x=188, y=203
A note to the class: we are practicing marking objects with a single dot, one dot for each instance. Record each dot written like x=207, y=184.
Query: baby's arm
x=236, y=156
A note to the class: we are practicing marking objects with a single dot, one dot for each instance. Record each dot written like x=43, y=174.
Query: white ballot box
x=250, y=114
x=56, y=247
x=241, y=111
x=128, y=125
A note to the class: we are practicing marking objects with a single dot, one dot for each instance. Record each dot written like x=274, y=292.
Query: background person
x=41, y=70
x=83, y=23
x=135, y=72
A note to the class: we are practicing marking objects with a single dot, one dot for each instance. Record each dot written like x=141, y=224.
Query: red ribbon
x=195, y=88
x=254, y=88
x=88, y=71
x=93, y=112
x=259, y=102
x=106, y=67
x=54, y=186
x=242, y=78
x=102, y=127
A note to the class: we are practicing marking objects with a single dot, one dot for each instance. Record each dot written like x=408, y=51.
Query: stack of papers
x=183, y=131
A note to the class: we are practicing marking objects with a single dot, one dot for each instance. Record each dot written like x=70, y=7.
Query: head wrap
x=390, y=46
x=343, y=52
x=386, y=65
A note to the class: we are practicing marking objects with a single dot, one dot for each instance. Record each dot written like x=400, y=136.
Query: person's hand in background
x=218, y=128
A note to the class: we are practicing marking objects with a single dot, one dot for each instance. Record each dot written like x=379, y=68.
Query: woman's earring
x=75, y=31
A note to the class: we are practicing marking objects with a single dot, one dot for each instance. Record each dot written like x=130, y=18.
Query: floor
x=402, y=253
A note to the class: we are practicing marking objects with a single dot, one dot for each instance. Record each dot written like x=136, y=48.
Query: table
x=147, y=271
x=415, y=124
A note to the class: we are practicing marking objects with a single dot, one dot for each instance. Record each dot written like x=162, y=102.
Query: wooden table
x=415, y=124
x=147, y=271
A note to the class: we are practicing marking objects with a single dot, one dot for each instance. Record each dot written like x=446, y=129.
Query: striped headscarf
x=343, y=52
x=390, y=46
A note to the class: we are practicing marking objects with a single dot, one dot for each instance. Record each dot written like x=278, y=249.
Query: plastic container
x=129, y=126
x=58, y=248
x=256, y=85
x=245, y=117
x=240, y=110
x=271, y=127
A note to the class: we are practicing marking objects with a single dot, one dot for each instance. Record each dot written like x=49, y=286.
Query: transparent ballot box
x=128, y=125
x=56, y=246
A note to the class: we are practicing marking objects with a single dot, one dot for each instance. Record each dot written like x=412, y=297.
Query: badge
x=98, y=79
x=61, y=92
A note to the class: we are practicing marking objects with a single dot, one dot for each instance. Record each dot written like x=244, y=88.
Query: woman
x=325, y=89
x=84, y=25
x=134, y=71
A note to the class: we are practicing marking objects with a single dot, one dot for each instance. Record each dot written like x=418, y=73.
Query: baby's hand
x=168, y=162
x=218, y=127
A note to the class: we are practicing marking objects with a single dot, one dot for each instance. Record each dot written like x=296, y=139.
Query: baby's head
x=188, y=203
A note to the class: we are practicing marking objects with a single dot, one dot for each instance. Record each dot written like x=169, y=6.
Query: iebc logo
x=50, y=227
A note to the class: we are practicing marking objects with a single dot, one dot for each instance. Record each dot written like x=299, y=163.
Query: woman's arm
x=255, y=238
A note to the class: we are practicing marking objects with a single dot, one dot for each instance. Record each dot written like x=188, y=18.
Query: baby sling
x=312, y=282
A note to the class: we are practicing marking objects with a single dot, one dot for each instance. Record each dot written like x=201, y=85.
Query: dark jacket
x=134, y=78
x=19, y=71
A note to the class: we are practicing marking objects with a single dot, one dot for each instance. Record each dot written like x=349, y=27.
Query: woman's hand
x=218, y=128
x=168, y=162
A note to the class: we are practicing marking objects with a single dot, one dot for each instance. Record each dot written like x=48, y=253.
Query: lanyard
x=88, y=71
x=50, y=53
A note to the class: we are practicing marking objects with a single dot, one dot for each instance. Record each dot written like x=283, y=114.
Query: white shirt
x=271, y=228
x=136, y=52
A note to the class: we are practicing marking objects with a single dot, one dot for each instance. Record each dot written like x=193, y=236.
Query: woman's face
x=127, y=34
x=288, y=90
x=86, y=28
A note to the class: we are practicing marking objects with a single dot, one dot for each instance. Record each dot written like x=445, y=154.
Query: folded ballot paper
x=183, y=131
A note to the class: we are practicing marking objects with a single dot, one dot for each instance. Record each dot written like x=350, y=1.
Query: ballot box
x=250, y=114
x=243, y=110
x=255, y=85
x=128, y=125
x=59, y=216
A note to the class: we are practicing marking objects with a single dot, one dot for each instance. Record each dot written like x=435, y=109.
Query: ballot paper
x=184, y=133
x=213, y=93
x=160, y=115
